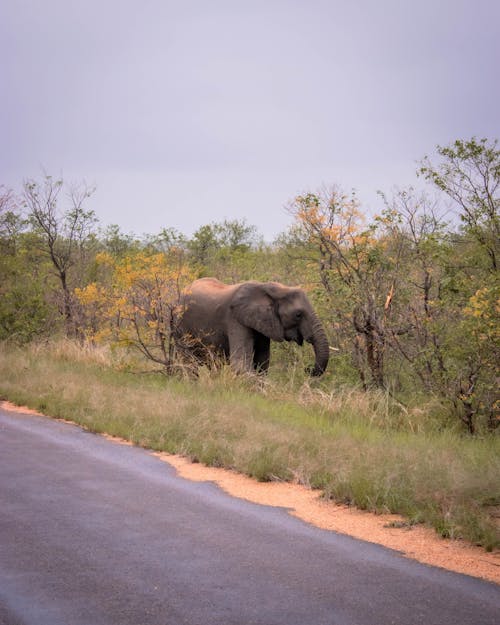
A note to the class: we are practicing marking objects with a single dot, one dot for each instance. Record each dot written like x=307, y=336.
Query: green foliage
x=116, y=243
x=469, y=173
x=224, y=238
x=24, y=311
x=409, y=301
x=405, y=297
x=64, y=236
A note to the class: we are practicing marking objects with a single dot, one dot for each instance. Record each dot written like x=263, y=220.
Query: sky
x=191, y=112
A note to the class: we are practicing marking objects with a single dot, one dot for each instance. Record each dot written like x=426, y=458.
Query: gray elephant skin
x=239, y=321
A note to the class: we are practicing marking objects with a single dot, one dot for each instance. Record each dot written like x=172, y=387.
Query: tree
x=63, y=236
x=446, y=311
x=412, y=223
x=398, y=292
x=354, y=273
x=134, y=304
x=11, y=222
x=23, y=309
x=469, y=173
x=478, y=386
x=225, y=238
x=117, y=243
x=236, y=234
x=169, y=240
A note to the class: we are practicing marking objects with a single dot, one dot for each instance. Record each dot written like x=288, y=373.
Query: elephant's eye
x=298, y=314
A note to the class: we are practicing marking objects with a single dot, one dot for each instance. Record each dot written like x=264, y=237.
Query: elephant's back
x=204, y=306
x=211, y=286
x=210, y=291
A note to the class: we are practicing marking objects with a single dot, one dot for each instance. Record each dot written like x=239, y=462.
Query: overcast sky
x=183, y=113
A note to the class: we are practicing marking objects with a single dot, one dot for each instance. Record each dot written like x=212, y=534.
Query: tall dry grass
x=360, y=448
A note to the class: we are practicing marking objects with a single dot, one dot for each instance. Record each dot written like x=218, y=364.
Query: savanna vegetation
x=406, y=417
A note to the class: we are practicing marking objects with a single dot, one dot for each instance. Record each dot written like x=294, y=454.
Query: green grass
x=355, y=447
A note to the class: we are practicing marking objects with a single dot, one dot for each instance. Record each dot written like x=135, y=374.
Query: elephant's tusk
x=334, y=349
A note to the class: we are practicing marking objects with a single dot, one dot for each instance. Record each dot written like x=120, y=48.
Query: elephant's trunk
x=321, y=348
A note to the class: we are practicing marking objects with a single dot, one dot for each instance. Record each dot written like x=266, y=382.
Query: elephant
x=238, y=322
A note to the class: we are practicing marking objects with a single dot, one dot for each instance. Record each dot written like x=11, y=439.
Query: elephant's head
x=283, y=314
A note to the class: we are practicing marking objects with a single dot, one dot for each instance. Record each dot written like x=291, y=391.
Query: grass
x=359, y=448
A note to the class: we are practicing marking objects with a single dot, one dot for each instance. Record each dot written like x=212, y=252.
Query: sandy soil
x=418, y=542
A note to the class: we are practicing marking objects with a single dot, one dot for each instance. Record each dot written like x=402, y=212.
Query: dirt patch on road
x=390, y=530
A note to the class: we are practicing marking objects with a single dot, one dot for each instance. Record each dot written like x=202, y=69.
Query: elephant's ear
x=255, y=308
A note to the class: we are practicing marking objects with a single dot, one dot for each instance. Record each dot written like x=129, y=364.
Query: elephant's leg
x=262, y=350
x=241, y=348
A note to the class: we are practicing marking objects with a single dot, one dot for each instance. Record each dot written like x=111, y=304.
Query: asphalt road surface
x=96, y=533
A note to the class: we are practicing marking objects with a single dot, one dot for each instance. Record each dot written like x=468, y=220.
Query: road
x=97, y=533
